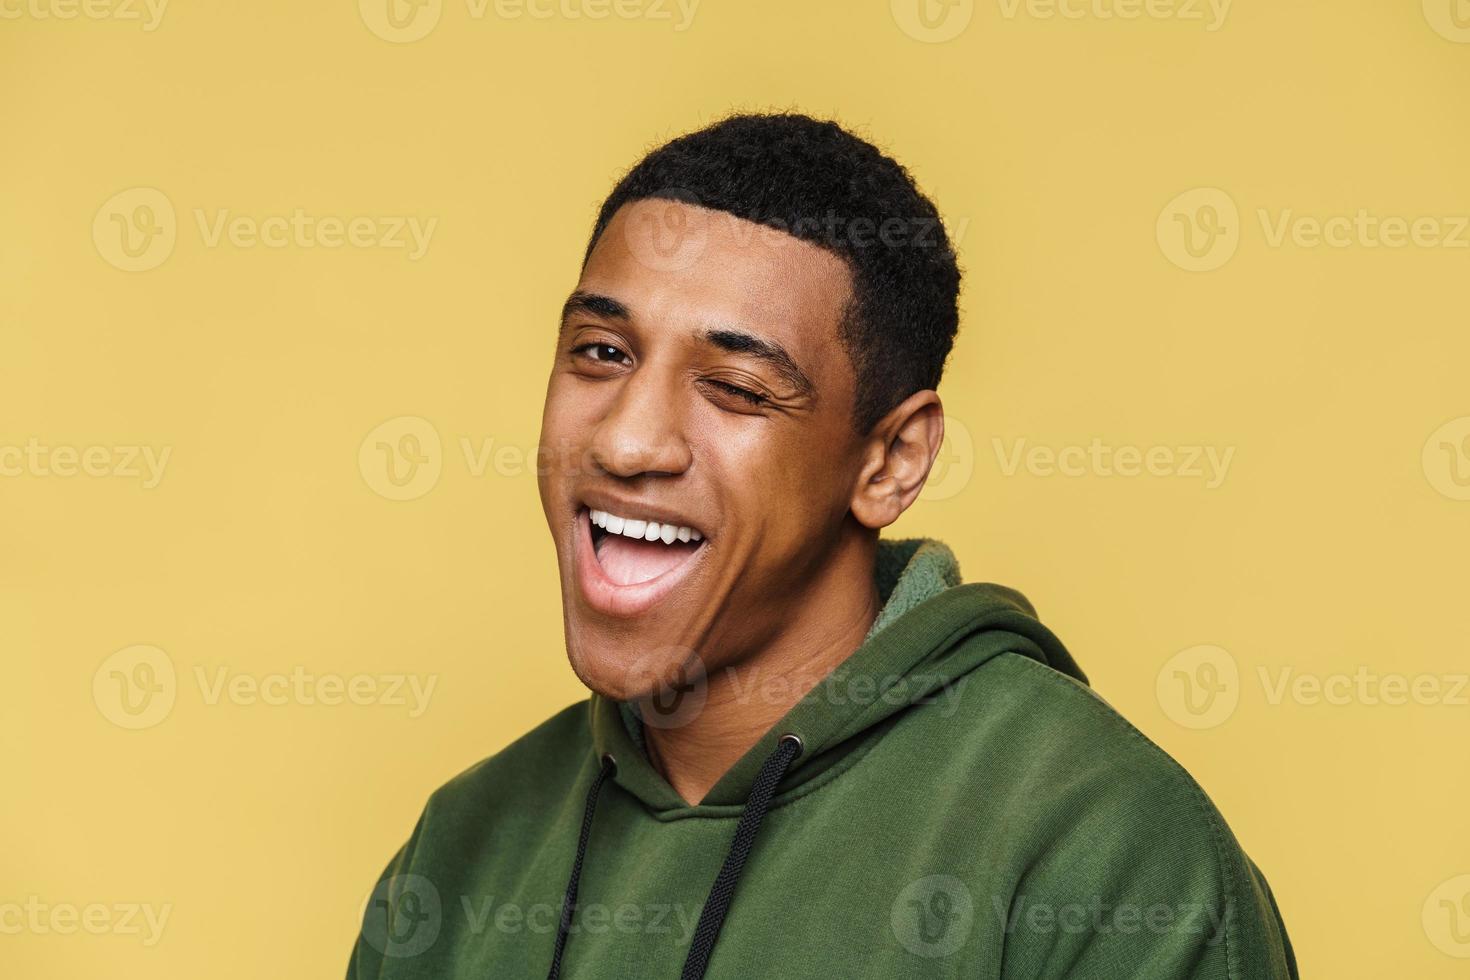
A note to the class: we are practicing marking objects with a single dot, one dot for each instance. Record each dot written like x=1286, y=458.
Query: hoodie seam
x=792, y=796
x=1196, y=798
x=957, y=635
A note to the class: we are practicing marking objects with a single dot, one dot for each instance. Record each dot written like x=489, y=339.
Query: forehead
x=682, y=269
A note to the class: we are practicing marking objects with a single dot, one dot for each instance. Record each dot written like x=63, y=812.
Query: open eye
x=601, y=353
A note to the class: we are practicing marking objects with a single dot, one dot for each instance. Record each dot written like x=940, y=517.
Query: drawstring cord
x=569, y=902
x=722, y=893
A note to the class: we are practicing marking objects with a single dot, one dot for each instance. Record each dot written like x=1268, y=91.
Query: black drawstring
x=569, y=902
x=722, y=893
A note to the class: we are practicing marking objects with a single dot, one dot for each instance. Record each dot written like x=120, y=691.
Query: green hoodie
x=961, y=805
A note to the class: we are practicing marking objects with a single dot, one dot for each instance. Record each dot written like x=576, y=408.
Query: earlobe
x=897, y=459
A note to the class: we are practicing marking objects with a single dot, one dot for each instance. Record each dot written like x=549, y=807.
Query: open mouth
x=627, y=565
x=632, y=551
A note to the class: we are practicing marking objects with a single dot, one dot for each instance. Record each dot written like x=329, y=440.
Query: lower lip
x=608, y=597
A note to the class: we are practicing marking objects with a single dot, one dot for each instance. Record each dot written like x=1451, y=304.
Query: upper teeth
x=647, y=530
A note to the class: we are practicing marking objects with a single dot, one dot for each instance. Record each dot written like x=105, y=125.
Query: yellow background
x=1335, y=541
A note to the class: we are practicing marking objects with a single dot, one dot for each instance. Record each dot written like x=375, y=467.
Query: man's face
x=699, y=384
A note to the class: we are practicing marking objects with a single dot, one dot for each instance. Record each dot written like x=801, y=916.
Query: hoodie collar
x=914, y=648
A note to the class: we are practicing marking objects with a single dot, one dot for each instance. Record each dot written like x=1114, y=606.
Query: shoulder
x=1077, y=785
x=500, y=800
x=515, y=786
x=526, y=767
x=1068, y=741
x=1117, y=825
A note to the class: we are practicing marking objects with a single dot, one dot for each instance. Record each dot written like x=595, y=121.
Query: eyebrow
x=725, y=338
x=595, y=304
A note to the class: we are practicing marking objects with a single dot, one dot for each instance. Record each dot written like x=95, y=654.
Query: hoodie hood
x=930, y=633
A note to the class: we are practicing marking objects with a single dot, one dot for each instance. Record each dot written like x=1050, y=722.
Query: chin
x=626, y=667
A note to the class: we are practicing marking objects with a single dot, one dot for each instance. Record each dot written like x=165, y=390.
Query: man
x=808, y=752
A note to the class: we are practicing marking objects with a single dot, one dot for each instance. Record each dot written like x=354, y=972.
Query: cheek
x=792, y=489
x=557, y=452
x=567, y=421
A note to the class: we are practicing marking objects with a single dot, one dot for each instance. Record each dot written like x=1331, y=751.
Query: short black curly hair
x=818, y=182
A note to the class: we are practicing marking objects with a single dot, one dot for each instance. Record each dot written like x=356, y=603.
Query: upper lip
x=640, y=511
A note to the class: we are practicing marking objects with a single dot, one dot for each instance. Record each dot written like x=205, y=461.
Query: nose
x=642, y=432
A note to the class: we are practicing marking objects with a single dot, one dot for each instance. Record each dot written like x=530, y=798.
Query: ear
x=897, y=456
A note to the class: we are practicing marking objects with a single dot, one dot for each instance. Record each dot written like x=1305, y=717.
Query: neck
x=746, y=700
